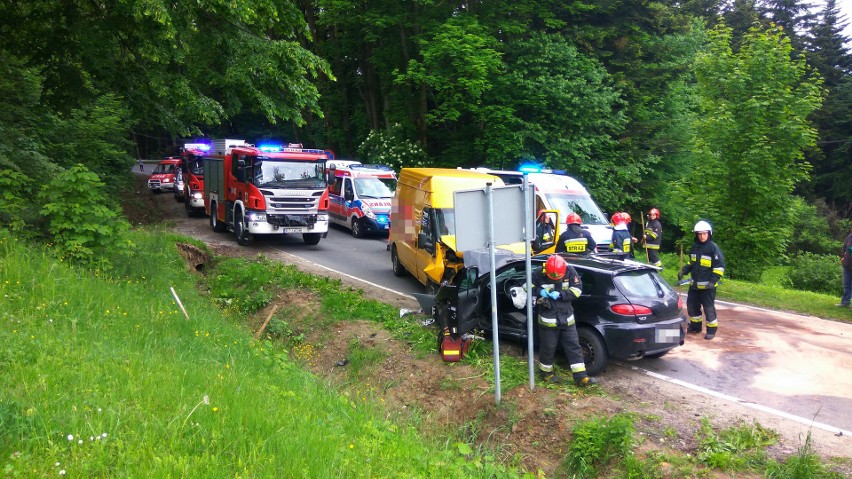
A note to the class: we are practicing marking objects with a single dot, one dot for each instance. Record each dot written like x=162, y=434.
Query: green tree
x=750, y=139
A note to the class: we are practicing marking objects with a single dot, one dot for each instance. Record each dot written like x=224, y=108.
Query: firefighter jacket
x=653, y=234
x=556, y=313
x=545, y=231
x=622, y=241
x=575, y=240
x=706, y=264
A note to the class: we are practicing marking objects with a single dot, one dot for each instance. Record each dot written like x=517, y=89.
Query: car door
x=468, y=300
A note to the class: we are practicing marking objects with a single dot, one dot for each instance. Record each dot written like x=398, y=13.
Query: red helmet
x=555, y=267
x=618, y=218
x=626, y=217
x=654, y=211
x=573, y=219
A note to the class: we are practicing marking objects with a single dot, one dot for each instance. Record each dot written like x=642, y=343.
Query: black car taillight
x=630, y=310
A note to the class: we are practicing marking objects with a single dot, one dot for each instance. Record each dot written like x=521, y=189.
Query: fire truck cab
x=360, y=198
x=163, y=176
x=268, y=189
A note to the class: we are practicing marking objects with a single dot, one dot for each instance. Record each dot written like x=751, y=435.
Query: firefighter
x=653, y=237
x=555, y=285
x=707, y=266
x=545, y=230
x=575, y=239
x=622, y=242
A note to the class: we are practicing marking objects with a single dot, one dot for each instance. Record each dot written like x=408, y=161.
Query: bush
x=79, y=222
x=390, y=148
x=820, y=273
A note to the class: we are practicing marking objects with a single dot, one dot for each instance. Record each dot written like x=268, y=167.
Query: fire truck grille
x=153, y=183
x=293, y=204
x=291, y=220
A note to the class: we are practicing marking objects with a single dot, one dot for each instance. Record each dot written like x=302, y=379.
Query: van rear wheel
x=398, y=268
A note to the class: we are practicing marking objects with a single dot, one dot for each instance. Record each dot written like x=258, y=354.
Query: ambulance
x=360, y=198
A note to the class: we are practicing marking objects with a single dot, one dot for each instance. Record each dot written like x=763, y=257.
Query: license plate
x=292, y=230
x=668, y=335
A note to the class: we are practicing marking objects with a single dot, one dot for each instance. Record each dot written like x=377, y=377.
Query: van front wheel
x=398, y=268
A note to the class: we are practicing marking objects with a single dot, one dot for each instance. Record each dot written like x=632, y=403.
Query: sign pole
x=495, y=337
x=528, y=235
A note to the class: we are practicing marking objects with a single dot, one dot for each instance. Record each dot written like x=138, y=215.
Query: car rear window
x=640, y=284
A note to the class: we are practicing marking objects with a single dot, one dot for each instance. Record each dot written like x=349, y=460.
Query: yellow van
x=422, y=238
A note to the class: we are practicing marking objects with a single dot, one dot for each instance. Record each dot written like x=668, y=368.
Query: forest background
x=738, y=112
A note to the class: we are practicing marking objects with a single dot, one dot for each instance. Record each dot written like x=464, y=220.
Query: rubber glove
x=543, y=293
x=554, y=295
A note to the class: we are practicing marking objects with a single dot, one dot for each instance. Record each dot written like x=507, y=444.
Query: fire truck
x=268, y=189
x=192, y=169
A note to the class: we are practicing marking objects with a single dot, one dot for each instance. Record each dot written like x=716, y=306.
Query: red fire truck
x=268, y=189
x=192, y=169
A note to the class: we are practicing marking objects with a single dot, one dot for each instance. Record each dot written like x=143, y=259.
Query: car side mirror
x=241, y=170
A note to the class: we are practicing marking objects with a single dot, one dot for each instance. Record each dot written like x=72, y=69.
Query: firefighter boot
x=549, y=377
x=695, y=325
x=711, y=332
x=585, y=381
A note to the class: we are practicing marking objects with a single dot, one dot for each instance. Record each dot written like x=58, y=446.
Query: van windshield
x=372, y=188
x=582, y=205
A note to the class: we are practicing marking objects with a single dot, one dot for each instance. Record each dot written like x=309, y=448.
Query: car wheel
x=657, y=355
x=244, y=238
x=311, y=238
x=357, y=228
x=398, y=268
x=217, y=225
x=594, y=351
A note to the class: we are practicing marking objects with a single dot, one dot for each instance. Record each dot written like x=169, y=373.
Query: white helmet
x=702, y=227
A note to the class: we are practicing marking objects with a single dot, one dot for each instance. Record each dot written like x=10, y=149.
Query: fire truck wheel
x=244, y=238
x=217, y=226
x=357, y=228
x=398, y=268
x=190, y=211
x=311, y=238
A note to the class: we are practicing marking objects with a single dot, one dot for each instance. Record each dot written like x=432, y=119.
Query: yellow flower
x=215, y=409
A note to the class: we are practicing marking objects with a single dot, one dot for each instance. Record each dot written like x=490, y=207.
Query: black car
x=626, y=310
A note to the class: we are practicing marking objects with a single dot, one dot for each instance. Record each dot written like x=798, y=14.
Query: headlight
x=256, y=216
x=368, y=212
x=198, y=195
x=322, y=217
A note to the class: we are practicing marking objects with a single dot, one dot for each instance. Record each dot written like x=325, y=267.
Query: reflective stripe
x=652, y=246
x=696, y=319
x=545, y=367
x=571, y=321
x=703, y=284
x=713, y=324
x=658, y=263
x=706, y=261
x=578, y=368
x=719, y=271
x=549, y=322
x=626, y=245
x=576, y=245
x=576, y=291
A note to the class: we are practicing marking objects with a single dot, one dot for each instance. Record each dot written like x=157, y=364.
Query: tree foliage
x=750, y=139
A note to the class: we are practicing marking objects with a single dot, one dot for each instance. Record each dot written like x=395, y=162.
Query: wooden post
x=265, y=323
x=179, y=303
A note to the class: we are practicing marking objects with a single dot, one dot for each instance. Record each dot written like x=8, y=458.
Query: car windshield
x=641, y=284
x=372, y=188
x=580, y=204
x=275, y=173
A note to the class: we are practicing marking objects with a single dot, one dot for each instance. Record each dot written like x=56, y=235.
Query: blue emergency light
x=529, y=168
x=269, y=148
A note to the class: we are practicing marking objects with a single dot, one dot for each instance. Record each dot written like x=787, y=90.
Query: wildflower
x=215, y=409
x=104, y=435
x=62, y=472
x=70, y=437
x=79, y=441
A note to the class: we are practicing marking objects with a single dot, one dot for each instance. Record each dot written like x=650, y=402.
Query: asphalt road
x=792, y=366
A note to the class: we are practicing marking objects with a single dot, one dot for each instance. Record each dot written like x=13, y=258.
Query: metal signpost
x=528, y=238
x=475, y=210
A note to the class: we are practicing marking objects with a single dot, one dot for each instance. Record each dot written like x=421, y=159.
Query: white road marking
x=758, y=407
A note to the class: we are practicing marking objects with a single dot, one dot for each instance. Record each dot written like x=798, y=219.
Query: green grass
x=104, y=377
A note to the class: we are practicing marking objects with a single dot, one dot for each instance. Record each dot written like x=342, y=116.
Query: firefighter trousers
x=696, y=300
x=551, y=337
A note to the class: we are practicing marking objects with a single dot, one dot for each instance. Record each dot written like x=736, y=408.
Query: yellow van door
x=426, y=246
